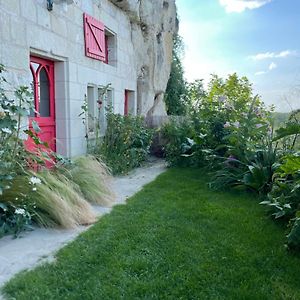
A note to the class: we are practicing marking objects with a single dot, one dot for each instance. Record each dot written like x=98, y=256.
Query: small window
x=105, y=96
x=110, y=48
x=91, y=105
x=44, y=94
x=129, y=103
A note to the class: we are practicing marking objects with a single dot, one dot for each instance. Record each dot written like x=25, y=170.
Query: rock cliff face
x=153, y=24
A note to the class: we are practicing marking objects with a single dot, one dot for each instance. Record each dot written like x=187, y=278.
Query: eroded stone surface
x=153, y=24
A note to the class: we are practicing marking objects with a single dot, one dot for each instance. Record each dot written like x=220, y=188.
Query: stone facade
x=140, y=55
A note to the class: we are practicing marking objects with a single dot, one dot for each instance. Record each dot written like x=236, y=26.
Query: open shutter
x=94, y=38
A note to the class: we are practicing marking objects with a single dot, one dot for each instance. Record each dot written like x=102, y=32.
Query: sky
x=259, y=39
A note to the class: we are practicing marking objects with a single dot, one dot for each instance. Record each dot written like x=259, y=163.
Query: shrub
x=179, y=146
x=126, y=143
x=13, y=219
x=293, y=238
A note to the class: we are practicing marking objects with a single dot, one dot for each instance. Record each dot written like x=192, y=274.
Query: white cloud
x=272, y=66
x=239, y=6
x=260, y=73
x=267, y=55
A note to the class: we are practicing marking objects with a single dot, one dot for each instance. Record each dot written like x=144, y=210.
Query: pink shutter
x=94, y=38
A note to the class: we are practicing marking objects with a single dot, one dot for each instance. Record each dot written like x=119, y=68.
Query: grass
x=65, y=196
x=176, y=239
x=92, y=177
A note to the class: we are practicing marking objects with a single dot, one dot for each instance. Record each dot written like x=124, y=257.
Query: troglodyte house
x=70, y=50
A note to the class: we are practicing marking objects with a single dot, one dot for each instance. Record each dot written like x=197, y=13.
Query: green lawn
x=176, y=239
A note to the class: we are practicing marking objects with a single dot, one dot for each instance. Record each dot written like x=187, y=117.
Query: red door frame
x=126, y=103
x=48, y=65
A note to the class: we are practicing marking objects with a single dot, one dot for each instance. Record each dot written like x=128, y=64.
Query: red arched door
x=42, y=71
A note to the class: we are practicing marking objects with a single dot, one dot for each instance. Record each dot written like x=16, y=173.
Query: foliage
x=126, y=143
x=227, y=120
x=231, y=116
x=219, y=245
x=287, y=134
x=255, y=173
x=293, y=238
x=284, y=198
x=13, y=220
x=13, y=156
x=175, y=99
x=179, y=146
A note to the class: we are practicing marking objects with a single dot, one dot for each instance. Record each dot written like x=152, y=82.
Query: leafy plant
x=13, y=220
x=179, y=145
x=293, y=238
x=284, y=198
x=126, y=143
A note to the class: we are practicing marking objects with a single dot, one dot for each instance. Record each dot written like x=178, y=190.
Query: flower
x=227, y=124
x=258, y=125
x=20, y=211
x=6, y=130
x=34, y=189
x=35, y=180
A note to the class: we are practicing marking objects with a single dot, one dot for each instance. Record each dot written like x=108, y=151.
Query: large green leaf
x=290, y=129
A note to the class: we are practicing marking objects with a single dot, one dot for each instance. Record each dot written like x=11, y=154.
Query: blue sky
x=256, y=38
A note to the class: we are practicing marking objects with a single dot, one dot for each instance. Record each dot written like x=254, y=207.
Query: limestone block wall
x=28, y=28
x=143, y=32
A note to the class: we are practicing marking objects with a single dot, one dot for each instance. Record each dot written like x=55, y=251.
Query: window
x=94, y=38
x=99, y=100
x=110, y=48
x=91, y=105
x=105, y=96
x=129, y=103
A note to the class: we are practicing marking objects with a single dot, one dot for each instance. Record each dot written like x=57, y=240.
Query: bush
x=126, y=143
x=14, y=217
x=13, y=220
x=179, y=146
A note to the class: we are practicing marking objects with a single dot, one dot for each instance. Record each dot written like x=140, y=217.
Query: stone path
x=40, y=245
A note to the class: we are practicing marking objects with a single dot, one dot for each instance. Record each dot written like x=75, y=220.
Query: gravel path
x=40, y=245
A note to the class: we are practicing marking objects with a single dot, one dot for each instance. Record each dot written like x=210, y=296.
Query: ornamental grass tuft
x=93, y=179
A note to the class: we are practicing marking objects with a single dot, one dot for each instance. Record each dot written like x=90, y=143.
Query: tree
x=176, y=102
